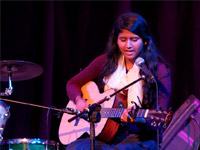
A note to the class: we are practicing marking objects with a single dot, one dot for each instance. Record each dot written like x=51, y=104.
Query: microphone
x=140, y=62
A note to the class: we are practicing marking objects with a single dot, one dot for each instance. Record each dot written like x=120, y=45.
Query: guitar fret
x=141, y=113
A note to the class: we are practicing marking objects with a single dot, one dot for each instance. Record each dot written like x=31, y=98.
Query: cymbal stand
x=8, y=90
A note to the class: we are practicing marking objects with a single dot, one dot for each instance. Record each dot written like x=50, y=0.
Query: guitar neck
x=117, y=112
x=157, y=115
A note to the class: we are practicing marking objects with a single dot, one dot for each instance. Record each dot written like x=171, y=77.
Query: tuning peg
x=164, y=125
x=170, y=108
x=153, y=124
x=165, y=112
x=151, y=118
x=162, y=120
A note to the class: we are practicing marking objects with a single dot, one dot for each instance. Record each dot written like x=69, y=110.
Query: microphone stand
x=94, y=112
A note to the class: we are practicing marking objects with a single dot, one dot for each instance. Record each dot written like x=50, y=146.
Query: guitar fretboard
x=117, y=112
x=111, y=112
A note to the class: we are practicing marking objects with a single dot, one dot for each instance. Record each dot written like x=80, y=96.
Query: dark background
x=65, y=36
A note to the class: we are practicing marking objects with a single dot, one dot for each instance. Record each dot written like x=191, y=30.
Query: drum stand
x=8, y=90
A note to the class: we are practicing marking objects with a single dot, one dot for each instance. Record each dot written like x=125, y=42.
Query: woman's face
x=130, y=44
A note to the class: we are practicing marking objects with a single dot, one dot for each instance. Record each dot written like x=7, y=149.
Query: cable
x=158, y=138
x=47, y=126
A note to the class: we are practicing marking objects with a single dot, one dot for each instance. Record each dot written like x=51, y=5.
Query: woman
x=129, y=40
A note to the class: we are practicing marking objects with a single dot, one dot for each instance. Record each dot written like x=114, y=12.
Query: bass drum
x=29, y=144
x=4, y=115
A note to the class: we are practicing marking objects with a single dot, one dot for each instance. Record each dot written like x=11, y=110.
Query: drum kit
x=17, y=70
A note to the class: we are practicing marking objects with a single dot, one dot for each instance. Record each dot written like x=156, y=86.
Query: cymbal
x=20, y=70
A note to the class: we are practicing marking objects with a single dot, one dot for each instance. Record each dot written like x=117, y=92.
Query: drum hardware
x=17, y=70
x=14, y=70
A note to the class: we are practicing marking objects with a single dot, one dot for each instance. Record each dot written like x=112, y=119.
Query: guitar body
x=112, y=125
x=69, y=132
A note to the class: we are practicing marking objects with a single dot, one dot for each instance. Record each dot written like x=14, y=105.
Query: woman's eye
x=134, y=39
x=123, y=39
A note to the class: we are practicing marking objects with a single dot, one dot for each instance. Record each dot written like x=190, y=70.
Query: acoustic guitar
x=110, y=111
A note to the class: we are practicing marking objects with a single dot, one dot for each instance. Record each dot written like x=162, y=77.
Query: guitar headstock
x=158, y=117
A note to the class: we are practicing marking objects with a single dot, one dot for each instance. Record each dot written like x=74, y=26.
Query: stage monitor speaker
x=183, y=132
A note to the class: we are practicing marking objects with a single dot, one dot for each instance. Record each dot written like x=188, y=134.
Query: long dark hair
x=137, y=25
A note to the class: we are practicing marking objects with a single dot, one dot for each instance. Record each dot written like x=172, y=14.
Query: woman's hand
x=126, y=116
x=81, y=104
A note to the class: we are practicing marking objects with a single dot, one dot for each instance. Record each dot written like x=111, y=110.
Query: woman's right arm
x=90, y=73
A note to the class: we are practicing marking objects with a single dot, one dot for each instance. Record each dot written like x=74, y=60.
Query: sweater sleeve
x=164, y=79
x=90, y=73
x=164, y=82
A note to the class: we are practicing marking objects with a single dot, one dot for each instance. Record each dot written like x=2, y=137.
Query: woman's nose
x=128, y=44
